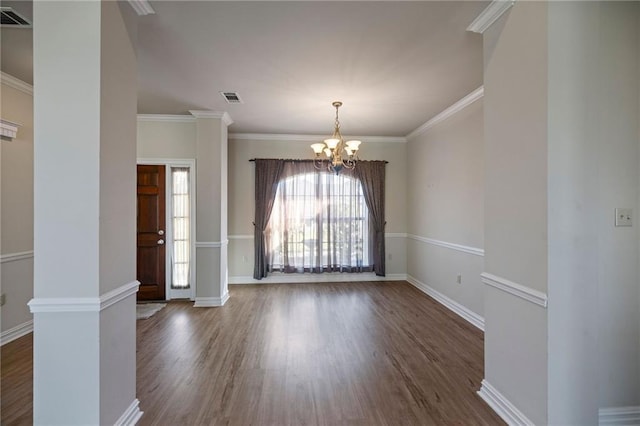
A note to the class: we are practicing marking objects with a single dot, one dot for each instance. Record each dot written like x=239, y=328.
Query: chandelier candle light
x=338, y=152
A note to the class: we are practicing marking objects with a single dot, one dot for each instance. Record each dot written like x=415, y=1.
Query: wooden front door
x=151, y=232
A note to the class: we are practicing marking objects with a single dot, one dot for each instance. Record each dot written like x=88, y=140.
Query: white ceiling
x=394, y=64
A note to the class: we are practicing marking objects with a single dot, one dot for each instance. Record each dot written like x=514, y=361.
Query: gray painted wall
x=445, y=202
x=16, y=276
x=515, y=108
x=593, y=168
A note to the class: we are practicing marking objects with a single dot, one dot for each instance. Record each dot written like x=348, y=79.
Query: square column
x=84, y=216
x=211, y=201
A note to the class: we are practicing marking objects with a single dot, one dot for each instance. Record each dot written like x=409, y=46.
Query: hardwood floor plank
x=368, y=353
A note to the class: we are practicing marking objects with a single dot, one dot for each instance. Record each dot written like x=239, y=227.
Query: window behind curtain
x=181, y=228
x=319, y=223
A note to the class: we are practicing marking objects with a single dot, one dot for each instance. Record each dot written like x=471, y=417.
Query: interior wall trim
x=16, y=332
x=211, y=302
x=131, y=416
x=250, y=236
x=166, y=118
x=142, y=7
x=452, y=110
x=220, y=115
x=15, y=83
x=14, y=257
x=457, y=247
x=396, y=235
x=312, y=138
x=241, y=237
x=534, y=296
x=502, y=406
x=8, y=129
x=619, y=416
x=335, y=277
x=490, y=15
x=83, y=304
x=211, y=244
x=462, y=311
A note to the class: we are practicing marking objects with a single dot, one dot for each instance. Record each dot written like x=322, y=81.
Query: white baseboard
x=502, y=406
x=16, y=332
x=456, y=307
x=337, y=277
x=211, y=302
x=619, y=416
x=131, y=416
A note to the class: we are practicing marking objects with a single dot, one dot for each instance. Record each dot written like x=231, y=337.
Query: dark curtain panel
x=268, y=174
x=372, y=176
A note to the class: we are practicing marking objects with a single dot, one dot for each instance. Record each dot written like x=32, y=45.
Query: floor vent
x=231, y=97
x=11, y=18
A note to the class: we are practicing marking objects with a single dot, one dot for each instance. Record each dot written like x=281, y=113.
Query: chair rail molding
x=83, y=304
x=534, y=296
x=211, y=244
x=453, y=246
x=619, y=416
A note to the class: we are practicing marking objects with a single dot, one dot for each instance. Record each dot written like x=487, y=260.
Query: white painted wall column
x=84, y=219
x=211, y=204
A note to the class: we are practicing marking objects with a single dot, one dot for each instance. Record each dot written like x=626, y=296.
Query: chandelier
x=338, y=153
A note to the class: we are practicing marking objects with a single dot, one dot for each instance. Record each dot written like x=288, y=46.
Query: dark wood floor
x=296, y=354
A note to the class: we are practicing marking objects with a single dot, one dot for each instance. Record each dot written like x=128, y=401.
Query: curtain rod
x=301, y=161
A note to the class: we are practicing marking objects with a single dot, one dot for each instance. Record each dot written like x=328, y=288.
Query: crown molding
x=312, y=138
x=490, y=15
x=166, y=118
x=17, y=84
x=14, y=257
x=453, y=109
x=222, y=115
x=142, y=7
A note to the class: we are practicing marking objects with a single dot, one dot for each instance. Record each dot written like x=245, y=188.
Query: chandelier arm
x=341, y=155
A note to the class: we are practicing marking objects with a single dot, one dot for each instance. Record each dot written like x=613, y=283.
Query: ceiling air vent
x=231, y=97
x=11, y=18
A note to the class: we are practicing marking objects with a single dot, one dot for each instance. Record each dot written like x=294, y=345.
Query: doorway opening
x=179, y=206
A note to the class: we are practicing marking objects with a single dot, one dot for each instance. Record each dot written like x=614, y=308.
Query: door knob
x=161, y=232
x=160, y=242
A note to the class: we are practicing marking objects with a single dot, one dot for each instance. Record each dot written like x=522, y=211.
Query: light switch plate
x=624, y=217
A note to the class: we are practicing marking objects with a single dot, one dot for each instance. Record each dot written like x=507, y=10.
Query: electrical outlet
x=624, y=217
x=389, y=256
x=3, y=299
x=245, y=259
x=459, y=279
